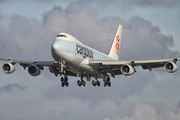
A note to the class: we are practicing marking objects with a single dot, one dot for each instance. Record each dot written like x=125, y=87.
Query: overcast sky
x=150, y=31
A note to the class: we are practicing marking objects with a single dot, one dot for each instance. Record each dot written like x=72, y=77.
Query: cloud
x=26, y=37
x=119, y=3
x=12, y=88
x=178, y=15
x=76, y=109
x=2, y=0
x=146, y=111
x=30, y=39
x=140, y=37
x=64, y=108
x=142, y=111
x=165, y=3
x=142, y=3
x=178, y=105
x=106, y=119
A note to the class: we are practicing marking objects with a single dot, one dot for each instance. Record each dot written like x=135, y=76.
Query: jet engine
x=127, y=70
x=8, y=68
x=34, y=70
x=171, y=67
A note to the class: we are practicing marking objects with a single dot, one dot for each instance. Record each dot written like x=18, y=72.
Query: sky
x=150, y=31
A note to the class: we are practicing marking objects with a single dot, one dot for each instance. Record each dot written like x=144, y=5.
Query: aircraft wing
x=28, y=63
x=114, y=66
x=54, y=66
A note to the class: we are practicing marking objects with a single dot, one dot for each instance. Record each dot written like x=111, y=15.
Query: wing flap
x=106, y=62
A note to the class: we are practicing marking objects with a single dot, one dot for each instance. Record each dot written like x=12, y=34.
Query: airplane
x=73, y=58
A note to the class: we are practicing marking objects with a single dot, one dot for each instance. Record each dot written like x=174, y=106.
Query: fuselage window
x=61, y=36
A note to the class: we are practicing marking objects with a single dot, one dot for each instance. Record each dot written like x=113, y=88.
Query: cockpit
x=68, y=37
x=62, y=36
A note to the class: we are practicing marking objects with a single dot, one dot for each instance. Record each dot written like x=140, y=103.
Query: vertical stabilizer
x=115, y=48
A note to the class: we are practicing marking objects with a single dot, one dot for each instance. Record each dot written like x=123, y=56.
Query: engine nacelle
x=8, y=68
x=127, y=70
x=171, y=67
x=34, y=70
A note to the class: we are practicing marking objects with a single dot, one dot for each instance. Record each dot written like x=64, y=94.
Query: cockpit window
x=61, y=36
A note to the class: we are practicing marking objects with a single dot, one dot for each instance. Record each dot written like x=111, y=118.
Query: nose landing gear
x=64, y=80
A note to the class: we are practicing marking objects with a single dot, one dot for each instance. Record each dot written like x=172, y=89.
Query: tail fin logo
x=115, y=48
x=117, y=44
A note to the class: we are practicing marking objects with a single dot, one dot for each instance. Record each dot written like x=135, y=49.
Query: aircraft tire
x=98, y=83
x=83, y=83
x=108, y=79
x=105, y=84
x=109, y=84
x=79, y=83
x=65, y=79
x=62, y=79
x=93, y=83
x=62, y=84
x=67, y=84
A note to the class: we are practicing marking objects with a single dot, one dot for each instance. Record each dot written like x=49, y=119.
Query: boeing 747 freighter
x=73, y=58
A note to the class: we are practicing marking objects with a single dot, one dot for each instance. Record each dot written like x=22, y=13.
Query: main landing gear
x=95, y=82
x=64, y=82
x=107, y=81
x=82, y=82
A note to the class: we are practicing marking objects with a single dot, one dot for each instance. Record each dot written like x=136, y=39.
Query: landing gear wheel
x=67, y=84
x=83, y=83
x=79, y=83
x=98, y=83
x=108, y=79
x=62, y=84
x=105, y=84
x=94, y=83
x=62, y=79
x=109, y=84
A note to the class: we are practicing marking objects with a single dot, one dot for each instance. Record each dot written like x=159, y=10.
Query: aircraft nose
x=55, y=49
x=55, y=46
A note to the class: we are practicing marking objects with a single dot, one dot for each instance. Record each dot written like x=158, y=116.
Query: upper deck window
x=61, y=36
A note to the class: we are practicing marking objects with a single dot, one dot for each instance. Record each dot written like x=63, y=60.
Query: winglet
x=115, y=48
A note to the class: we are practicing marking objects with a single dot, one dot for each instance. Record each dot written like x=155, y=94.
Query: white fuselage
x=76, y=55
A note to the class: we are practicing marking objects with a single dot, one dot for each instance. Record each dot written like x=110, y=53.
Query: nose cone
x=54, y=46
x=55, y=49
